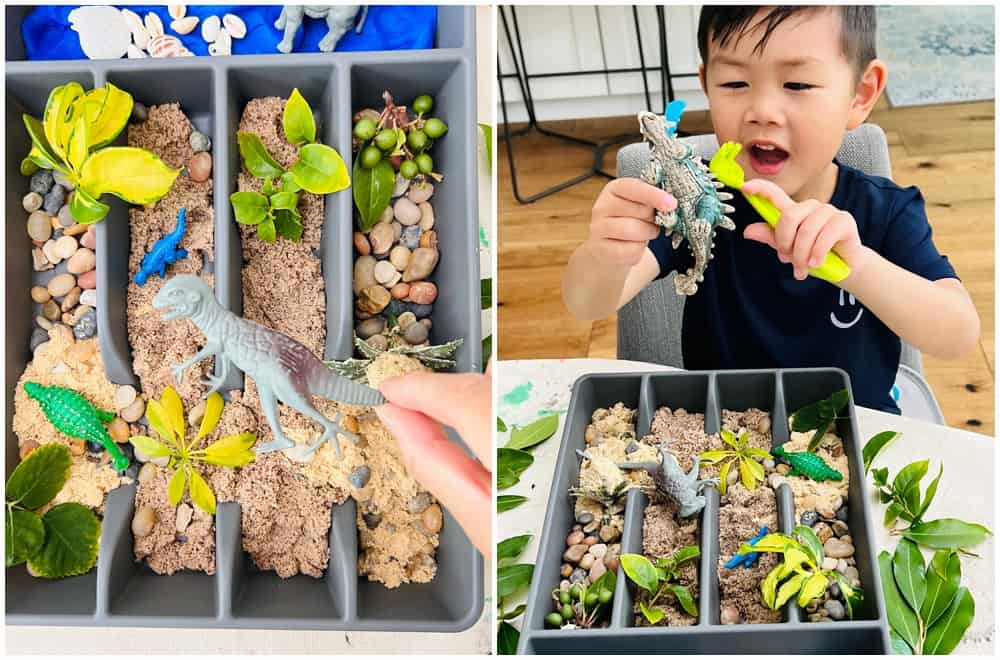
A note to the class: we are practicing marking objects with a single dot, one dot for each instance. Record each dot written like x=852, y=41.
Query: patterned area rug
x=937, y=54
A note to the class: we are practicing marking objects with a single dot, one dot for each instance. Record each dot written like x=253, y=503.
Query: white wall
x=581, y=38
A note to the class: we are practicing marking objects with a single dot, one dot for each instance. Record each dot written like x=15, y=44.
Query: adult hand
x=419, y=404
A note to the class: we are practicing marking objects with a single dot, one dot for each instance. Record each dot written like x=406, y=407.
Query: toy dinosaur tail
x=326, y=383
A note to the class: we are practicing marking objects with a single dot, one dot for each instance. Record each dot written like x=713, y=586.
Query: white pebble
x=89, y=297
x=210, y=28
x=154, y=26
x=184, y=514
x=176, y=11
x=237, y=28
x=184, y=25
x=49, y=250
x=124, y=396
x=65, y=247
x=384, y=272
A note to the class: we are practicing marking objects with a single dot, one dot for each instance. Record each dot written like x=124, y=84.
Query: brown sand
x=664, y=533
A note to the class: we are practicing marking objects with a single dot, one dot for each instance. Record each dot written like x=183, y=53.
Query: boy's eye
x=734, y=84
x=798, y=87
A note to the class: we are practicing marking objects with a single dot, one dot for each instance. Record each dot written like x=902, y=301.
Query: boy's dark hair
x=857, y=28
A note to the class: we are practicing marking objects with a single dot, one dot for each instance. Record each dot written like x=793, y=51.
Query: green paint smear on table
x=544, y=411
x=518, y=395
x=482, y=238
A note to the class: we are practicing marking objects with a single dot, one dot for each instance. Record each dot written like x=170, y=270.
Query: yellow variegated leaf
x=231, y=451
x=714, y=456
x=175, y=491
x=85, y=209
x=42, y=152
x=175, y=411
x=213, y=412
x=769, y=587
x=107, y=110
x=794, y=557
x=724, y=475
x=813, y=588
x=135, y=175
x=201, y=493
x=149, y=446
x=37, y=157
x=157, y=416
x=58, y=115
x=789, y=589
x=77, y=151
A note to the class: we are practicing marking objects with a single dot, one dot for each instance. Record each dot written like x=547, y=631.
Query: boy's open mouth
x=767, y=158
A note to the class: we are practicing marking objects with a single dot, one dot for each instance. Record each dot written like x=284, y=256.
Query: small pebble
x=200, y=167
x=74, y=230
x=31, y=202
x=829, y=563
x=598, y=550
x=65, y=218
x=423, y=293
x=841, y=566
x=385, y=273
x=94, y=448
x=124, y=396
x=406, y=212
x=418, y=503
x=118, y=430
x=400, y=186
x=81, y=261
x=420, y=191
x=386, y=216
x=199, y=142
x=834, y=589
x=89, y=297
x=77, y=447
x=51, y=311
x=397, y=231
x=575, y=553
x=370, y=327
x=429, y=239
x=732, y=477
x=431, y=519
x=590, y=540
x=381, y=238
x=49, y=250
x=400, y=291
x=39, y=226
x=361, y=244
x=411, y=237
x=146, y=472
x=565, y=570
x=399, y=257
x=769, y=466
x=426, y=216
x=837, y=548
x=85, y=328
x=379, y=342
x=38, y=337
x=373, y=299
x=575, y=538
x=39, y=261
x=852, y=573
x=729, y=615
x=41, y=182
x=426, y=323
x=846, y=538
x=54, y=200
x=420, y=311
x=823, y=532
x=608, y=533
x=88, y=280
x=840, y=528
x=842, y=514
x=809, y=518
x=184, y=515
x=578, y=575
x=587, y=561
x=774, y=480
x=596, y=571
x=405, y=320
x=782, y=468
x=834, y=609
x=143, y=521
x=25, y=449
x=415, y=334
x=134, y=411
x=372, y=520
x=43, y=323
x=360, y=476
x=40, y=294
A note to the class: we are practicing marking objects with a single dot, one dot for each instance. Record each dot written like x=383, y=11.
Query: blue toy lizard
x=164, y=251
x=750, y=559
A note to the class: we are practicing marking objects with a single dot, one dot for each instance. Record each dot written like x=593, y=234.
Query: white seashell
x=104, y=32
x=165, y=45
x=135, y=53
x=140, y=37
x=186, y=53
x=153, y=25
x=184, y=25
x=237, y=28
x=133, y=19
x=224, y=40
x=177, y=12
x=218, y=48
x=210, y=28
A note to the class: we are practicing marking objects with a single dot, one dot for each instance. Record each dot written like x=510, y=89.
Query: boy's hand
x=622, y=220
x=807, y=230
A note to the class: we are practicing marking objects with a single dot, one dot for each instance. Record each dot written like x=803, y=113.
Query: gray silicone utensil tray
x=213, y=92
x=708, y=392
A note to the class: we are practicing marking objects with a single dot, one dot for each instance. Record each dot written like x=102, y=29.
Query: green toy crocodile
x=807, y=464
x=73, y=415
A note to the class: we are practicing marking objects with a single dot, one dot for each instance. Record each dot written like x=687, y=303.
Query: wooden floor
x=946, y=150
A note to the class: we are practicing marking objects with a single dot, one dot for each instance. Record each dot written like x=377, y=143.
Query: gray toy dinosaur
x=338, y=19
x=282, y=367
x=670, y=480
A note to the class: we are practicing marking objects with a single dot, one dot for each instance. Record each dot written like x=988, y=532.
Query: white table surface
x=528, y=389
x=476, y=640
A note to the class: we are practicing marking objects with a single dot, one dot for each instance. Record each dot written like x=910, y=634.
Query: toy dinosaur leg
x=209, y=350
x=269, y=404
x=338, y=28
x=794, y=473
x=214, y=383
x=330, y=428
x=280, y=23
x=179, y=253
x=700, y=240
x=292, y=21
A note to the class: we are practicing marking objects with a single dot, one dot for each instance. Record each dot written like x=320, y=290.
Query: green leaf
x=892, y=514
x=902, y=619
x=818, y=436
x=685, y=599
x=320, y=170
x=41, y=151
x=653, y=614
x=486, y=293
x=607, y=581
x=256, y=158
x=811, y=544
x=640, y=570
x=773, y=542
x=201, y=493
x=24, y=533
x=372, y=191
x=898, y=644
x=929, y=495
x=266, y=231
x=250, y=208
x=853, y=598
x=508, y=502
x=908, y=480
x=28, y=166
x=510, y=464
x=85, y=209
x=285, y=200
x=908, y=570
x=514, y=613
x=947, y=533
x=510, y=549
x=876, y=444
x=686, y=553
x=728, y=438
x=488, y=134
x=39, y=477
x=943, y=578
x=300, y=126
x=487, y=351
x=287, y=225
x=175, y=489
x=534, y=433
x=149, y=446
x=880, y=476
x=789, y=588
x=507, y=638
x=287, y=183
x=512, y=578
x=944, y=636
x=769, y=587
x=135, y=175
x=813, y=588
x=501, y=427
x=72, y=533
x=762, y=454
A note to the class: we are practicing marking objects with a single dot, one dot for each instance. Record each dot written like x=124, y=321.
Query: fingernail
x=814, y=262
x=669, y=202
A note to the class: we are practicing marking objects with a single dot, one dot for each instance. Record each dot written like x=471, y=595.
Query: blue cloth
x=48, y=36
x=751, y=312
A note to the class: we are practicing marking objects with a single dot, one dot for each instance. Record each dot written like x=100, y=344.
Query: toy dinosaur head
x=182, y=297
x=32, y=389
x=654, y=129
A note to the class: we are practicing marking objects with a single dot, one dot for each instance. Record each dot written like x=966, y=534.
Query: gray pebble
x=372, y=520
x=418, y=503
x=593, y=526
x=139, y=112
x=578, y=575
x=415, y=333
x=842, y=513
x=632, y=447
x=41, y=182
x=359, y=478
x=200, y=142
x=396, y=308
x=86, y=327
x=809, y=518
x=411, y=237
x=585, y=518
x=54, y=200
x=61, y=180
x=38, y=337
x=181, y=538
x=420, y=311
x=370, y=327
x=834, y=609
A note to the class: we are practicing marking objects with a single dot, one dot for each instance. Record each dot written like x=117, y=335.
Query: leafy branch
x=437, y=357
x=820, y=416
x=656, y=581
x=511, y=578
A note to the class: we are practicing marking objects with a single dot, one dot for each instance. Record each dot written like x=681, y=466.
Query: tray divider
x=230, y=567
x=713, y=410
x=342, y=569
x=647, y=408
x=115, y=559
x=708, y=578
x=786, y=522
x=779, y=414
x=337, y=246
x=635, y=507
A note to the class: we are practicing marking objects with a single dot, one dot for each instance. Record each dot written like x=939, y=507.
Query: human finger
x=760, y=232
x=836, y=230
x=805, y=238
x=625, y=229
x=788, y=224
x=637, y=190
x=769, y=190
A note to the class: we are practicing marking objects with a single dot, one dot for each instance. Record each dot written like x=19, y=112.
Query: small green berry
x=591, y=599
x=435, y=128
x=554, y=619
x=576, y=592
x=408, y=169
x=425, y=163
x=370, y=157
x=417, y=140
x=566, y=612
x=564, y=597
x=605, y=596
x=423, y=104
x=364, y=129
x=386, y=139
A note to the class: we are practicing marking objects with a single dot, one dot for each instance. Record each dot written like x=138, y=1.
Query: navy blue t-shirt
x=751, y=313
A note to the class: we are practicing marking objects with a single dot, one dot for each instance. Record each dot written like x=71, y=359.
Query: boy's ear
x=701, y=78
x=869, y=90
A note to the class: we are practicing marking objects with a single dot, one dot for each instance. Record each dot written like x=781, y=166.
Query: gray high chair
x=649, y=326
